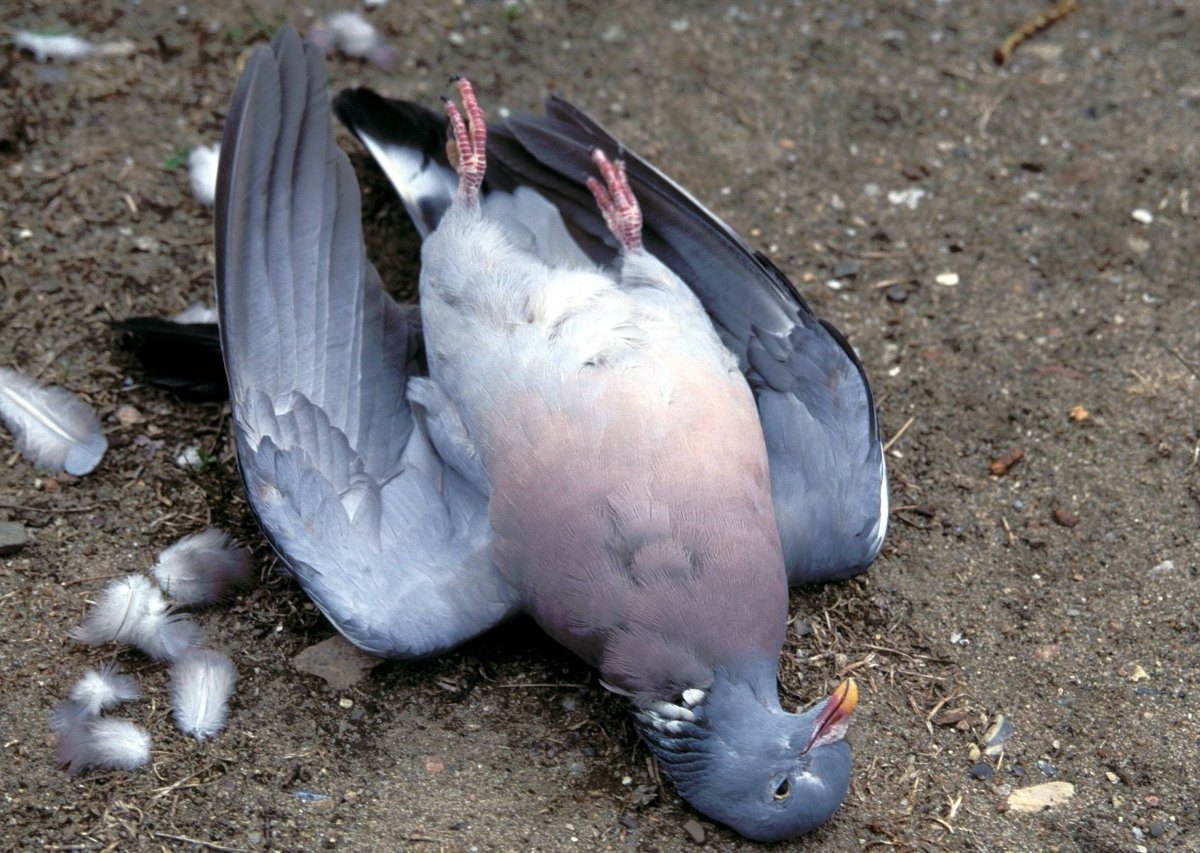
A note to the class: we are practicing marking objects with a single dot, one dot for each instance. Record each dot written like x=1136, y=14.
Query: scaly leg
x=620, y=208
x=469, y=154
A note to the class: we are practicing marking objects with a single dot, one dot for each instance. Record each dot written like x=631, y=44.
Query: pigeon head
x=735, y=755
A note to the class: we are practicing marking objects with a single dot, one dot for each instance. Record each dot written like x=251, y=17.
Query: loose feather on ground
x=54, y=429
x=108, y=743
x=132, y=610
x=202, y=681
x=202, y=568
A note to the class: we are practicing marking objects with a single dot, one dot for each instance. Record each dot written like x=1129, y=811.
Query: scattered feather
x=64, y=48
x=202, y=681
x=108, y=743
x=104, y=688
x=202, y=568
x=68, y=48
x=353, y=35
x=69, y=714
x=190, y=457
x=195, y=313
x=132, y=610
x=202, y=171
x=54, y=429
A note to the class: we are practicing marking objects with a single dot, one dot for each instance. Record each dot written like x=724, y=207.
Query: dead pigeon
x=632, y=426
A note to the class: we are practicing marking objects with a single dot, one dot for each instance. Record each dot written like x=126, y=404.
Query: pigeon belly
x=631, y=497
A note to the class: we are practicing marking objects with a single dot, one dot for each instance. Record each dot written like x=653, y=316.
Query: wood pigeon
x=634, y=430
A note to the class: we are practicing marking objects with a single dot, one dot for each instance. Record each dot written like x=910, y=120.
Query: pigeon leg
x=620, y=208
x=469, y=141
x=447, y=431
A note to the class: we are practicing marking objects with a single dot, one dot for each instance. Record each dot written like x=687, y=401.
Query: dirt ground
x=874, y=150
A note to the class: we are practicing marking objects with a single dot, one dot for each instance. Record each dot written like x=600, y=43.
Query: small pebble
x=897, y=293
x=1065, y=518
x=12, y=537
x=909, y=198
x=947, y=279
x=1143, y=216
x=127, y=415
x=846, y=269
x=694, y=830
x=1047, y=768
x=190, y=458
x=1158, y=829
x=982, y=771
x=346, y=703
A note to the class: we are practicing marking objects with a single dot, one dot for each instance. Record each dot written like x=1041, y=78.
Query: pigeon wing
x=391, y=544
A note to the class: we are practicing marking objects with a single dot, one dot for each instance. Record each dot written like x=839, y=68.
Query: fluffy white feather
x=202, y=681
x=104, y=688
x=68, y=48
x=132, y=610
x=202, y=172
x=197, y=312
x=44, y=47
x=107, y=742
x=98, y=690
x=202, y=567
x=353, y=35
x=67, y=715
x=54, y=429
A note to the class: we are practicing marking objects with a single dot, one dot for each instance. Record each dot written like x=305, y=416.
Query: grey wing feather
x=394, y=547
x=828, y=478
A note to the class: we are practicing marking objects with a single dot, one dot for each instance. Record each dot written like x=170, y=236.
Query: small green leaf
x=177, y=159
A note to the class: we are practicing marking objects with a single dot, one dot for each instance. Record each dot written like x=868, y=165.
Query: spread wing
x=391, y=544
x=828, y=478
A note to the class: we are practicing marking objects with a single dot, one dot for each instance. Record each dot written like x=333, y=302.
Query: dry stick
x=209, y=844
x=49, y=509
x=1032, y=27
x=891, y=441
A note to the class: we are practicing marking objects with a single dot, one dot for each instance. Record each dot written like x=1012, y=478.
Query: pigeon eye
x=783, y=790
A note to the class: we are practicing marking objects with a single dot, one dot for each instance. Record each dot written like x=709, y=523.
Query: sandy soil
x=870, y=144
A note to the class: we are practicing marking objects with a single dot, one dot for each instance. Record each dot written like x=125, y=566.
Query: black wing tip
x=184, y=358
x=365, y=112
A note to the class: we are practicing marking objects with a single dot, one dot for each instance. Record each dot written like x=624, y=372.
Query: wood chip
x=1041, y=797
x=1065, y=518
x=1000, y=467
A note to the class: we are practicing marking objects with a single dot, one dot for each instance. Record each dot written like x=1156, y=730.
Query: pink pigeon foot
x=470, y=140
x=620, y=208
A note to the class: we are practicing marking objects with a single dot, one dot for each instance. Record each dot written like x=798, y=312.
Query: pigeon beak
x=834, y=717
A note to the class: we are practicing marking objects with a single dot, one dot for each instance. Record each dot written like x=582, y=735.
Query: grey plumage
x=608, y=438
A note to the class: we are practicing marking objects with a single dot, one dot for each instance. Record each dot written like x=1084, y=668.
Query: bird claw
x=467, y=147
x=620, y=208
